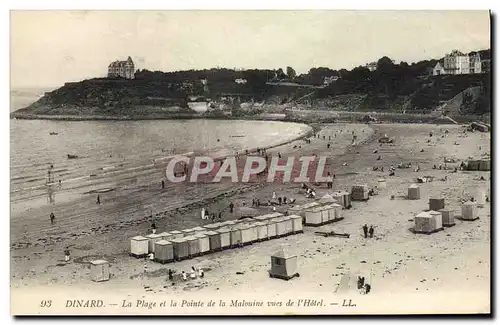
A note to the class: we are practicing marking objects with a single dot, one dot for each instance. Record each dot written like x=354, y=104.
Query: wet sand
x=396, y=260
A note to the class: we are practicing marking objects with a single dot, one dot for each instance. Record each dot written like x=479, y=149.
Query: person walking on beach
x=231, y=207
x=201, y=274
x=184, y=276
x=170, y=275
x=66, y=254
x=153, y=227
x=52, y=218
x=371, y=231
x=163, y=184
x=220, y=215
x=365, y=231
x=98, y=200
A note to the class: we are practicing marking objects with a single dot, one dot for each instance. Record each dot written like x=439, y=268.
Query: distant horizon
x=54, y=47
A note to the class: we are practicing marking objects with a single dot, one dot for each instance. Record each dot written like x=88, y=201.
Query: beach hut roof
x=283, y=253
x=327, y=198
x=199, y=235
x=98, y=262
x=139, y=238
x=179, y=240
x=414, y=186
x=423, y=215
x=211, y=233
x=469, y=203
x=175, y=232
x=163, y=242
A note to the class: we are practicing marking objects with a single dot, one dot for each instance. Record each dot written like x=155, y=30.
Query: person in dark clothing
x=327, y=146
x=284, y=200
x=365, y=231
x=162, y=184
x=52, y=218
x=153, y=227
x=220, y=215
x=66, y=254
x=286, y=213
x=279, y=200
x=231, y=207
x=368, y=288
x=170, y=275
x=98, y=200
x=371, y=231
x=361, y=282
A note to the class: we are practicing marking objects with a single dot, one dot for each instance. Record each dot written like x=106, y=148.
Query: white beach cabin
x=153, y=238
x=215, y=240
x=139, y=246
x=164, y=251
x=283, y=265
x=413, y=192
x=225, y=237
x=297, y=224
x=448, y=217
x=426, y=223
x=166, y=236
x=236, y=236
x=176, y=234
x=261, y=231
x=181, y=248
x=272, y=231
x=193, y=246
x=469, y=211
x=99, y=270
x=204, y=243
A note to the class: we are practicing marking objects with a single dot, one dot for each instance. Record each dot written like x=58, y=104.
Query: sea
x=39, y=149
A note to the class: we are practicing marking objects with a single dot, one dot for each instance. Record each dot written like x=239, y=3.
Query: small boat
x=72, y=156
x=53, y=133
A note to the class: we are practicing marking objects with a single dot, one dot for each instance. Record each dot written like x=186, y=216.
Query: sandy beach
x=397, y=261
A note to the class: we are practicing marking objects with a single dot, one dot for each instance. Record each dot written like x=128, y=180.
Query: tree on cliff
x=280, y=74
x=290, y=72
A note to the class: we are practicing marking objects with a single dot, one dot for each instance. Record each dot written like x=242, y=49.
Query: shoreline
x=304, y=117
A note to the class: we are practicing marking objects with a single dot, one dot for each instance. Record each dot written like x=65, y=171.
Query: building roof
x=119, y=64
x=455, y=53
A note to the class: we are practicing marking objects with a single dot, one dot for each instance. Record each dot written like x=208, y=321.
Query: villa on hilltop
x=459, y=63
x=123, y=69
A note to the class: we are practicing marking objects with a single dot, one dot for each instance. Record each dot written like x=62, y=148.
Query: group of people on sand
x=365, y=288
x=205, y=215
x=367, y=231
x=193, y=274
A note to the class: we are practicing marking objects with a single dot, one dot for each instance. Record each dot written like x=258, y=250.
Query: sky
x=49, y=48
